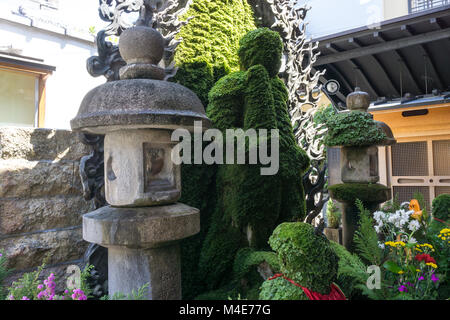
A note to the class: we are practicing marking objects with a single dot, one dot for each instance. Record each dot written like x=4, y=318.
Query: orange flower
x=414, y=205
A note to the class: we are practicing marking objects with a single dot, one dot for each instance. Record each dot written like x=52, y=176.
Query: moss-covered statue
x=250, y=205
x=308, y=262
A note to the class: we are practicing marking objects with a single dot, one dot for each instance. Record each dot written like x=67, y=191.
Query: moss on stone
x=353, y=129
x=367, y=193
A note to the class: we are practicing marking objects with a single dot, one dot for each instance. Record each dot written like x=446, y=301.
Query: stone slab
x=22, y=178
x=29, y=250
x=40, y=144
x=35, y=214
x=145, y=227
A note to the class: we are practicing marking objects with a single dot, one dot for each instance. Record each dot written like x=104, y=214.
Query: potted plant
x=333, y=231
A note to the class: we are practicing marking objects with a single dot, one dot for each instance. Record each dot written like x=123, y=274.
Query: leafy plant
x=4, y=272
x=366, y=239
x=139, y=294
x=27, y=286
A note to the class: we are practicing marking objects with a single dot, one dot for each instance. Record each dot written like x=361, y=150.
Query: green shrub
x=352, y=129
x=247, y=200
x=207, y=52
x=441, y=207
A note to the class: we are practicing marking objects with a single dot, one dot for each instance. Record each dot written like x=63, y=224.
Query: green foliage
x=207, y=52
x=349, y=266
x=441, y=207
x=324, y=113
x=210, y=42
x=305, y=257
x=247, y=200
x=261, y=47
x=139, y=294
x=84, y=276
x=352, y=129
x=366, y=192
x=4, y=272
x=366, y=239
x=333, y=215
x=281, y=289
x=27, y=285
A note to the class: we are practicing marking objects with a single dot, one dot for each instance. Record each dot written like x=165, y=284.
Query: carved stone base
x=143, y=246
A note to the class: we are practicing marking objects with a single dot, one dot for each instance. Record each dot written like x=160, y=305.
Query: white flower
x=414, y=225
x=412, y=240
x=377, y=229
x=405, y=205
x=381, y=245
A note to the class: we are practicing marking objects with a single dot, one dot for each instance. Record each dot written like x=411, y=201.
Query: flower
x=434, y=278
x=402, y=289
x=78, y=294
x=401, y=272
x=11, y=297
x=421, y=278
x=426, y=258
x=433, y=265
x=414, y=225
x=25, y=298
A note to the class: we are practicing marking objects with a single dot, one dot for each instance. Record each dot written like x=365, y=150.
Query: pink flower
x=402, y=289
x=434, y=278
x=78, y=294
x=25, y=298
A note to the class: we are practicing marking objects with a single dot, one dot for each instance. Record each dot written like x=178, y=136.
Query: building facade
x=44, y=45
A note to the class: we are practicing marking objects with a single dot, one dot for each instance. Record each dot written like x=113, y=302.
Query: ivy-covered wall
x=207, y=53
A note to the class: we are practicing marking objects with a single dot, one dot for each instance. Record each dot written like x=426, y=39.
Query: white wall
x=332, y=16
x=67, y=85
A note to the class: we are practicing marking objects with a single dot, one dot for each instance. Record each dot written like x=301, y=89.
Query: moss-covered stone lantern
x=359, y=136
x=137, y=114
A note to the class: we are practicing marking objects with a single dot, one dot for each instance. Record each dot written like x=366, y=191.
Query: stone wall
x=41, y=202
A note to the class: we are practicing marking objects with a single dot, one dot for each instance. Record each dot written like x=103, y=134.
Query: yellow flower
x=431, y=264
x=401, y=272
x=417, y=270
x=445, y=230
x=443, y=238
x=419, y=250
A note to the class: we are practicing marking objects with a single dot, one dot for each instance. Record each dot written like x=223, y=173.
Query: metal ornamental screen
x=420, y=166
x=422, y=5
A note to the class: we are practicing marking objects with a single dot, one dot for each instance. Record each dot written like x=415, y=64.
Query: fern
x=366, y=239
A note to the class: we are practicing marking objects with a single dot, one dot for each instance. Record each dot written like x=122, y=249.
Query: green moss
x=441, y=207
x=281, y=289
x=207, y=52
x=210, y=42
x=367, y=193
x=261, y=47
x=247, y=200
x=352, y=129
x=349, y=264
x=305, y=257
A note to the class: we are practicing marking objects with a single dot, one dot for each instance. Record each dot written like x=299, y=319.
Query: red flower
x=425, y=257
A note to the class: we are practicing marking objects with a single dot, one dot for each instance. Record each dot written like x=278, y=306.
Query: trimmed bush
x=441, y=207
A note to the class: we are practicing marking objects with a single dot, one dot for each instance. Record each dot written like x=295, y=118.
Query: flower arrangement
x=413, y=260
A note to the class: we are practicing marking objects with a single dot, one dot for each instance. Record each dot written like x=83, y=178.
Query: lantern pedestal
x=143, y=246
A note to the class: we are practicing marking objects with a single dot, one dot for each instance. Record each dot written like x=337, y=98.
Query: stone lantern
x=359, y=171
x=143, y=223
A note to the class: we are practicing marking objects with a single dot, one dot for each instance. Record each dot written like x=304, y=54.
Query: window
x=22, y=92
x=420, y=166
x=422, y=5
